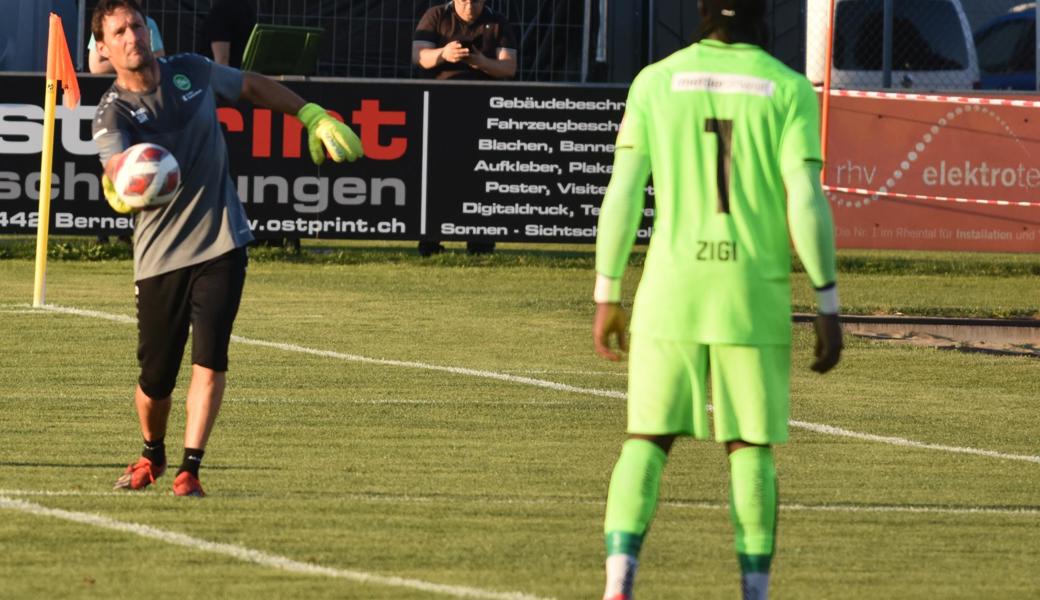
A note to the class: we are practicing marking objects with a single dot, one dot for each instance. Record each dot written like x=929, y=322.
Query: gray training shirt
x=206, y=218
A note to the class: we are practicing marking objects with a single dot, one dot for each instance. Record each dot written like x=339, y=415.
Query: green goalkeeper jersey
x=718, y=125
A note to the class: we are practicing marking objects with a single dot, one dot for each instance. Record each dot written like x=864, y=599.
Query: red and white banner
x=928, y=172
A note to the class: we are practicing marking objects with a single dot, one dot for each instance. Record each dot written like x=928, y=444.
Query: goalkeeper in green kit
x=731, y=136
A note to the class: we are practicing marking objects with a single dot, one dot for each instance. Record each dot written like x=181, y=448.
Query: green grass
x=474, y=482
x=871, y=281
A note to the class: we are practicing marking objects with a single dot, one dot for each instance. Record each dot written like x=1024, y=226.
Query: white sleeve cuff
x=827, y=301
x=607, y=289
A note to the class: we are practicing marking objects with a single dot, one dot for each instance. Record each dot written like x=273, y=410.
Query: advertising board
x=530, y=163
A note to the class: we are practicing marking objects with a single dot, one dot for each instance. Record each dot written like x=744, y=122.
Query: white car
x=932, y=46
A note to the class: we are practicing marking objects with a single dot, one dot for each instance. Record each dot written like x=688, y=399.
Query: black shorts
x=206, y=297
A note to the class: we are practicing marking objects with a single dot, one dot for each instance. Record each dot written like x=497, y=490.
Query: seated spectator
x=99, y=64
x=228, y=27
x=464, y=39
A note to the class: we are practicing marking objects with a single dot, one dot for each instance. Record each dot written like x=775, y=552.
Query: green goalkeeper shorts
x=667, y=390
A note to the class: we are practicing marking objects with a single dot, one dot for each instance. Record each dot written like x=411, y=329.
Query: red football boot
x=139, y=475
x=187, y=484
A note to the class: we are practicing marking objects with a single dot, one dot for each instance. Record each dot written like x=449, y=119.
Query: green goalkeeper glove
x=325, y=130
x=113, y=198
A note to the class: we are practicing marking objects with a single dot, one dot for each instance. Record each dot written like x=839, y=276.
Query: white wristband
x=607, y=289
x=827, y=301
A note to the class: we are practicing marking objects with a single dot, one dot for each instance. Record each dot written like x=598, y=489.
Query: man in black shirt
x=464, y=39
x=227, y=30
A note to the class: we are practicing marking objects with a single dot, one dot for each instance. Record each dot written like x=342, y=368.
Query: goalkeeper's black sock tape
x=192, y=461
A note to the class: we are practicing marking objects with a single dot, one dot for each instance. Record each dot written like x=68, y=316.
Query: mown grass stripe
x=1026, y=511
x=264, y=559
x=553, y=385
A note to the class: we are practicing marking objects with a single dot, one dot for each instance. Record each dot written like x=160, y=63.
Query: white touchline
x=570, y=372
x=387, y=362
x=552, y=385
x=898, y=441
x=257, y=557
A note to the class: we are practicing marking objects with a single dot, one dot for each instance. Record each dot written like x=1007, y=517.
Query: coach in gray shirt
x=189, y=255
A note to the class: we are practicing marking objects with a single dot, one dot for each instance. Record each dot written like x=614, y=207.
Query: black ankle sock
x=155, y=451
x=192, y=461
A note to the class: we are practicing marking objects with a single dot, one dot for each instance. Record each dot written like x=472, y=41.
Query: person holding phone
x=464, y=39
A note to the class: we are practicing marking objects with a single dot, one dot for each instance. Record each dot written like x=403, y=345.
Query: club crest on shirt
x=181, y=82
x=140, y=115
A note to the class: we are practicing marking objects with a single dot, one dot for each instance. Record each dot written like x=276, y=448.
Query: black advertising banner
x=524, y=163
x=76, y=180
x=286, y=195
x=505, y=162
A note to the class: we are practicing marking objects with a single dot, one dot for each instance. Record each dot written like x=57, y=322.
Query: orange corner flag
x=59, y=68
x=59, y=63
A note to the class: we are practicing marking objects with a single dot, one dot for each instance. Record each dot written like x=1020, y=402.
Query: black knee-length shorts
x=203, y=296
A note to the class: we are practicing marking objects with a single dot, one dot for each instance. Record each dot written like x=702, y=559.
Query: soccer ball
x=148, y=176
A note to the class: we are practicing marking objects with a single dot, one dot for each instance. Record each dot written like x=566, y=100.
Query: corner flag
x=59, y=63
x=59, y=68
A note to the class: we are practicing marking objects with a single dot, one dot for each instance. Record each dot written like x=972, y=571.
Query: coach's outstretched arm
x=812, y=231
x=619, y=219
x=324, y=132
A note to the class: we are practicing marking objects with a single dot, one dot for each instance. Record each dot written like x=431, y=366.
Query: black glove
x=828, y=343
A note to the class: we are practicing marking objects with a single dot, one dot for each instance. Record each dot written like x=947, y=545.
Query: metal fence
x=907, y=44
x=917, y=44
x=373, y=38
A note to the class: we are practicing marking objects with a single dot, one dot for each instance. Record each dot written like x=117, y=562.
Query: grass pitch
x=493, y=488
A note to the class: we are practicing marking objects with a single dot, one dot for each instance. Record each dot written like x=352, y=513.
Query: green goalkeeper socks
x=753, y=506
x=632, y=498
